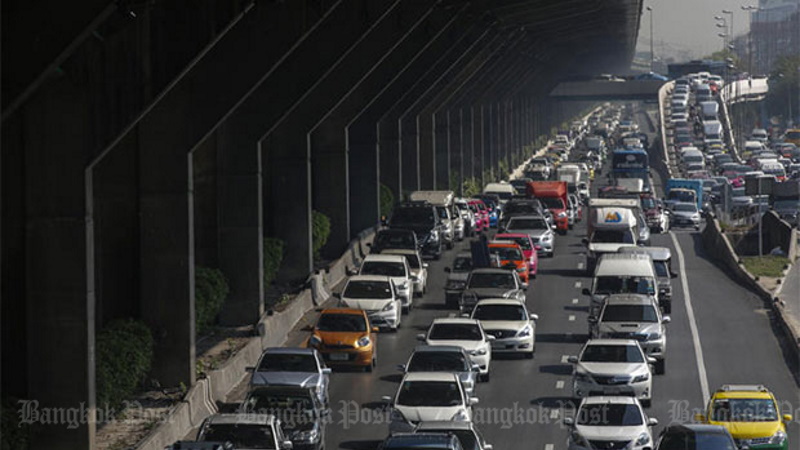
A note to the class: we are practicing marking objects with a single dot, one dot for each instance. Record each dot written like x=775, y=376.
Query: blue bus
x=631, y=163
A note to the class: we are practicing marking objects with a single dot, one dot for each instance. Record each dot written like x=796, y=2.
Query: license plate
x=613, y=391
x=339, y=356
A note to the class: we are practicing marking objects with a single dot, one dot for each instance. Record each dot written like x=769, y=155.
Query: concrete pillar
x=167, y=247
x=240, y=220
x=59, y=280
x=365, y=163
x=441, y=142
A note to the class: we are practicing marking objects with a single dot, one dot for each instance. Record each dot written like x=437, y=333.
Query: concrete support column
x=287, y=166
x=389, y=160
x=441, y=148
x=240, y=223
x=331, y=185
x=409, y=154
x=366, y=162
x=59, y=299
x=167, y=250
x=427, y=150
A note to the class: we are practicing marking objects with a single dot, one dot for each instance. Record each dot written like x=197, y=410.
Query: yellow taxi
x=751, y=414
x=345, y=338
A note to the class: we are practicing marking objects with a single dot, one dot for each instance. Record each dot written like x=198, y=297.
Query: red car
x=529, y=249
x=483, y=213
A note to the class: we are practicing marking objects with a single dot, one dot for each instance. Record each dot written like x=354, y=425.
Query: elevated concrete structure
x=607, y=90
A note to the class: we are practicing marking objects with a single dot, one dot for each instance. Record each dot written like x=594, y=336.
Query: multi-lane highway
x=720, y=333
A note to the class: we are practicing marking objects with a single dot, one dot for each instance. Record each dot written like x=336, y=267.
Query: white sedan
x=613, y=367
x=466, y=333
x=428, y=396
x=513, y=328
x=610, y=422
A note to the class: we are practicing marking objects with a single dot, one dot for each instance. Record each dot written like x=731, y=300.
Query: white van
x=692, y=156
x=712, y=129
x=622, y=273
x=710, y=110
x=503, y=190
x=772, y=167
x=611, y=227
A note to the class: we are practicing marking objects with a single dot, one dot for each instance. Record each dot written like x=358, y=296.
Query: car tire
x=646, y=403
x=484, y=377
x=668, y=307
x=529, y=355
x=368, y=368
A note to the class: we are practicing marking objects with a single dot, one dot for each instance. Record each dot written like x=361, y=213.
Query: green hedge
x=274, y=250
x=124, y=355
x=210, y=291
x=320, y=231
x=387, y=200
x=471, y=187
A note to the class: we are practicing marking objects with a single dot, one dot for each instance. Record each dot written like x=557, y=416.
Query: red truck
x=553, y=195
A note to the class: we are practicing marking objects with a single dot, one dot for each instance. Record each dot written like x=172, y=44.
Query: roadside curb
x=717, y=244
x=201, y=399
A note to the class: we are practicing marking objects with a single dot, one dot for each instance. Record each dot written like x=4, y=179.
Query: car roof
x=609, y=399
x=629, y=299
x=490, y=270
x=439, y=348
x=656, y=253
x=467, y=320
x=444, y=425
x=358, y=312
x=240, y=419
x=383, y=257
x=697, y=428
x=281, y=389
x=611, y=342
x=430, y=376
x=289, y=350
x=502, y=243
x=500, y=236
x=398, y=251
x=631, y=264
x=372, y=277
x=499, y=301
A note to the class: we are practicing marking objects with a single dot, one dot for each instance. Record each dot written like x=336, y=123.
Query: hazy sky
x=689, y=25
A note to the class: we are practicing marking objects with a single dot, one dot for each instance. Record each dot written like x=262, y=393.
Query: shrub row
x=210, y=291
x=124, y=355
x=320, y=231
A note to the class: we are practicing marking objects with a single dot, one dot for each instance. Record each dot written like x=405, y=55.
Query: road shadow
x=559, y=338
x=392, y=378
x=228, y=408
x=435, y=307
x=556, y=369
x=577, y=308
x=561, y=272
x=565, y=403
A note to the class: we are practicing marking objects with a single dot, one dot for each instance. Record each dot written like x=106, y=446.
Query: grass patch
x=765, y=266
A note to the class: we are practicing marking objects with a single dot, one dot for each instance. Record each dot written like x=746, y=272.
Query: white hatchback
x=613, y=367
x=428, y=396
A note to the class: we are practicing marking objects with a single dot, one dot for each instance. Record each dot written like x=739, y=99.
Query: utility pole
x=652, y=55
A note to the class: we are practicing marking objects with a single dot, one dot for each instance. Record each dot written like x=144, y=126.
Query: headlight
x=643, y=439
x=778, y=438
x=314, y=341
x=455, y=284
x=363, y=342
x=397, y=416
x=583, y=377
x=640, y=378
x=525, y=332
x=307, y=436
x=389, y=306
x=654, y=336
x=547, y=237
x=460, y=416
x=478, y=352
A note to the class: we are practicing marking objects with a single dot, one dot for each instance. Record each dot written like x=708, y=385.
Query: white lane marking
x=560, y=384
x=574, y=301
x=577, y=285
x=549, y=447
x=564, y=359
x=580, y=266
x=554, y=414
x=698, y=350
x=572, y=318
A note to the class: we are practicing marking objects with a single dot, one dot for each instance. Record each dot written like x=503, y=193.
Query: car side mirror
x=592, y=319
x=572, y=359
x=487, y=447
x=376, y=329
x=327, y=370
x=699, y=418
x=524, y=286
x=415, y=278
x=472, y=401
x=424, y=265
x=369, y=244
x=585, y=241
x=673, y=275
x=490, y=337
x=465, y=315
x=250, y=369
x=421, y=337
x=533, y=316
x=553, y=227
x=569, y=421
x=386, y=399
x=350, y=272
x=337, y=295
x=476, y=368
x=651, y=360
x=287, y=445
x=787, y=417
x=666, y=319
x=652, y=421
x=401, y=367
x=586, y=291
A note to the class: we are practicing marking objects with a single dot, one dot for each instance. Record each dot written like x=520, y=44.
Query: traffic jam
x=535, y=313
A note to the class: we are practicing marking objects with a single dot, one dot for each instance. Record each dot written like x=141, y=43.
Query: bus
x=631, y=163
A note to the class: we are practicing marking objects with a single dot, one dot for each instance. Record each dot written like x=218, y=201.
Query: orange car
x=344, y=337
x=510, y=253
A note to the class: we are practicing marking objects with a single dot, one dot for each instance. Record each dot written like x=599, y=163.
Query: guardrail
x=662, y=113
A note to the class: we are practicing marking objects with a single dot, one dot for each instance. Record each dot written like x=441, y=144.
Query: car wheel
x=646, y=403
x=368, y=368
x=484, y=377
x=529, y=355
x=668, y=307
x=661, y=366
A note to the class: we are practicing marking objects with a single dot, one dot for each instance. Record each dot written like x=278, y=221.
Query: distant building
x=678, y=70
x=775, y=32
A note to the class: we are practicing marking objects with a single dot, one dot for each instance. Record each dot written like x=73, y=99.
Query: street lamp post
x=730, y=25
x=724, y=25
x=652, y=55
x=750, y=9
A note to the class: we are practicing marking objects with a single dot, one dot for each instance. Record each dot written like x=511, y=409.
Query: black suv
x=422, y=219
x=394, y=238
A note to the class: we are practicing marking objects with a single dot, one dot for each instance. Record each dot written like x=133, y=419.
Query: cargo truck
x=684, y=190
x=553, y=195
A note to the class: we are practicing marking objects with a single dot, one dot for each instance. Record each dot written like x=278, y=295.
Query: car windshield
x=342, y=323
x=648, y=203
x=384, y=268
x=500, y=312
x=241, y=435
x=612, y=354
x=462, y=264
x=262, y=401
x=456, y=332
x=696, y=440
x=744, y=410
x=613, y=236
x=787, y=204
x=278, y=362
x=552, y=202
x=522, y=241
x=536, y=223
x=609, y=415
x=685, y=207
x=629, y=313
x=465, y=437
x=662, y=269
x=496, y=280
x=429, y=393
x=506, y=253
x=438, y=362
x=367, y=289
x=616, y=284
x=413, y=216
x=389, y=239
